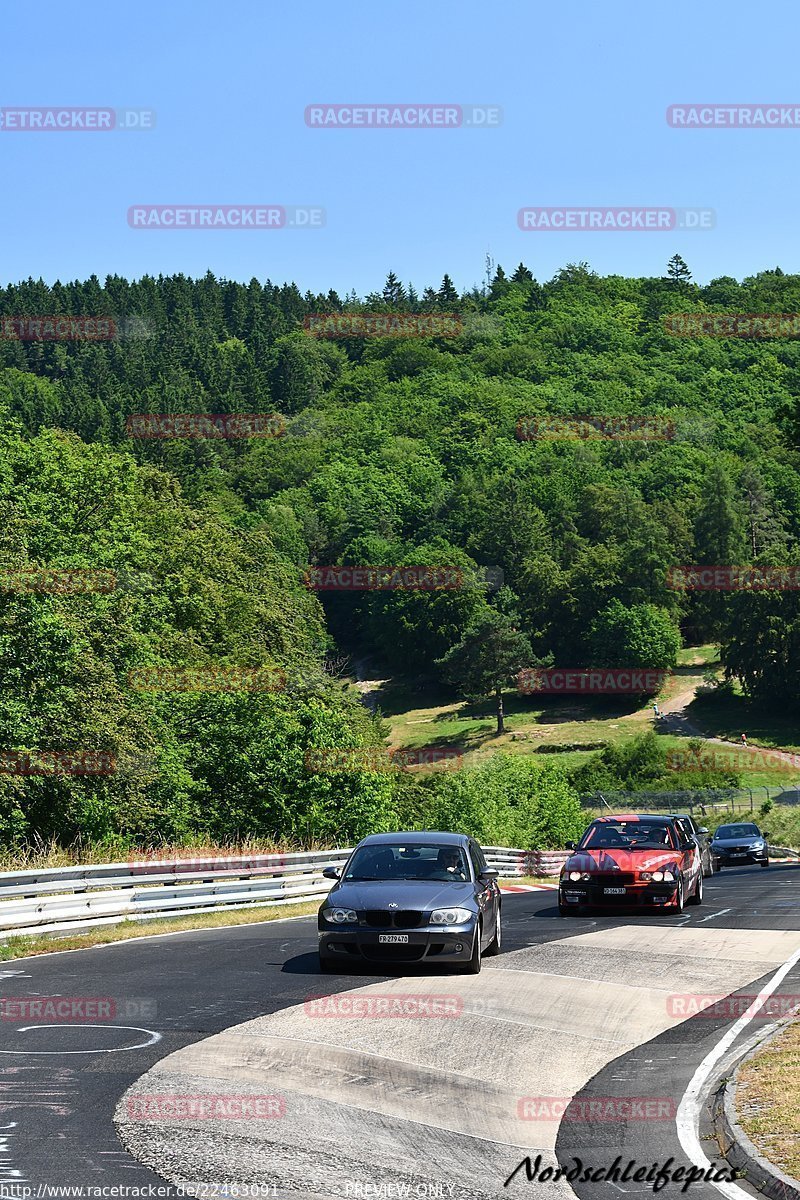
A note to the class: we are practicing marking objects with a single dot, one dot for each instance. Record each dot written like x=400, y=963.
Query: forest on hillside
x=388, y=450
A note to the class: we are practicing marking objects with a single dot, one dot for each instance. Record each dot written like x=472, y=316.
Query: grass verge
x=32, y=944
x=768, y=1100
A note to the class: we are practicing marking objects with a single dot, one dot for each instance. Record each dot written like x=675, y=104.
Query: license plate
x=393, y=937
x=739, y=854
x=614, y=891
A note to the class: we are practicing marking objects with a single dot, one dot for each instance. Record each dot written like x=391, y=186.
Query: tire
x=718, y=867
x=326, y=965
x=697, y=897
x=563, y=911
x=765, y=863
x=710, y=870
x=679, y=897
x=496, y=943
x=473, y=967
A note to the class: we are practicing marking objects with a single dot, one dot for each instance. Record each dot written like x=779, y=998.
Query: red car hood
x=622, y=860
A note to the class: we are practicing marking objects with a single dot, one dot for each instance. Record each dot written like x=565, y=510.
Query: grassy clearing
x=768, y=1100
x=569, y=729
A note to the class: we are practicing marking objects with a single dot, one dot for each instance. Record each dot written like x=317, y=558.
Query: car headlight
x=340, y=916
x=759, y=845
x=450, y=916
x=647, y=875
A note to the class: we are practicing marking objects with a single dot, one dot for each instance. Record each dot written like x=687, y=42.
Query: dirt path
x=675, y=721
x=367, y=685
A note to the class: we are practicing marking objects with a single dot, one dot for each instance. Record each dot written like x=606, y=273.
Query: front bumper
x=631, y=895
x=453, y=943
x=732, y=858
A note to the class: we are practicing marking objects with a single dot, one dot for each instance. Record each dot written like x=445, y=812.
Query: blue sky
x=583, y=88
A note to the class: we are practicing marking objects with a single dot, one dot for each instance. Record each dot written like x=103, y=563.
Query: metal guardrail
x=60, y=899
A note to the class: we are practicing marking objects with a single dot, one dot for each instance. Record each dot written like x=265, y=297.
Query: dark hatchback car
x=739, y=845
x=632, y=861
x=411, y=898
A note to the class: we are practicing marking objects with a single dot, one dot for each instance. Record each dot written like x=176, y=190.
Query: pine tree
x=429, y=299
x=522, y=275
x=677, y=271
x=447, y=293
x=393, y=290
x=499, y=285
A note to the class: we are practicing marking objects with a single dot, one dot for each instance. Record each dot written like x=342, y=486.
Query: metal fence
x=60, y=899
x=722, y=800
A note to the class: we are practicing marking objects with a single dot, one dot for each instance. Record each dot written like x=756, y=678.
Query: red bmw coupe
x=631, y=862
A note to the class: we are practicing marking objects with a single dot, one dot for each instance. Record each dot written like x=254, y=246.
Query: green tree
x=677, y=271
x=490, y=654
x=641, y=635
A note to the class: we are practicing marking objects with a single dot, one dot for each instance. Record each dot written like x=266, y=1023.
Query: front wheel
x=710, y=870
x=765, y=863
x=697, y=898
x=497, y=941
x=474, y=965
x=326, y=965
x=679, y=897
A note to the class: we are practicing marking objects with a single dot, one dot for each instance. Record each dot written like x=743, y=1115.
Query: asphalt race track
x=593, y=1008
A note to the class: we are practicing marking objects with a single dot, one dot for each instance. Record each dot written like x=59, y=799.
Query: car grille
x=380, y=918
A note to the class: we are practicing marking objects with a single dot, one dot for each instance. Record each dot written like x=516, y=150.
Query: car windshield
x=408, y=860
x=627, y=835
x=737, y=831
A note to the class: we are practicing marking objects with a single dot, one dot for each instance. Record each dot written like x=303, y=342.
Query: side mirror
x=702, y=829
x=570, y=845
x=765, y=835
x=331, y=872
x=488, y=876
